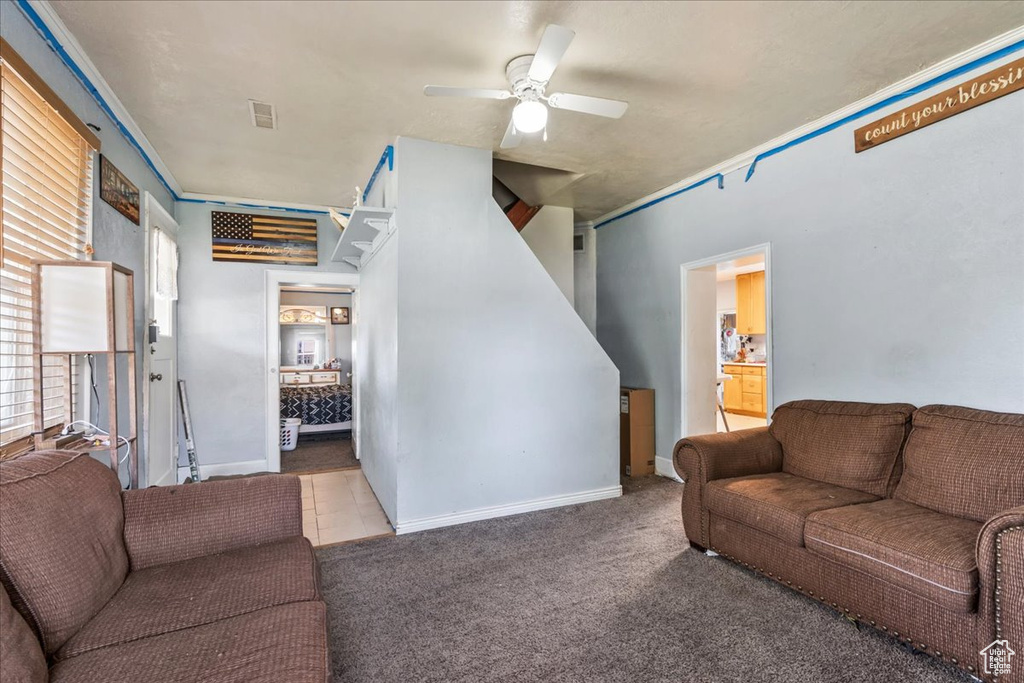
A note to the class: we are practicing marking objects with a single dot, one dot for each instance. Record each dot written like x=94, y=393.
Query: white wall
x=504, y=400
x=549, y=236
x=377, y=374
x=726, y=295
x=585, y=280
x=222, y=344
x=896, y=272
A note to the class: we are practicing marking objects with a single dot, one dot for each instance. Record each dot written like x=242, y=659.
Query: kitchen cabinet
x=750, y=308
x=747, y=392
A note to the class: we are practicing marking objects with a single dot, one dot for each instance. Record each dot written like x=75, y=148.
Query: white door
x=161, y=355
x=352, y=380
x=700, y=370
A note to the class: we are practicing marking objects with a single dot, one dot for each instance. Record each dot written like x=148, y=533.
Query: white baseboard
x=663, y=467
x=224, y=468
x=506, y=510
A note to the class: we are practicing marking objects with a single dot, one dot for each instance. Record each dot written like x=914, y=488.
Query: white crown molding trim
x=78, y=55
x=663, y=467
x=505, y=510
x=249, y=202
x=746, y=158
x=223, y=468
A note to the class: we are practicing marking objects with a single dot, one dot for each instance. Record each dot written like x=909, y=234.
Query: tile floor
x=738, y=422
x=339, y=507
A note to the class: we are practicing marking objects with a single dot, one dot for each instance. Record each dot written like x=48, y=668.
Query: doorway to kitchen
x=726, y=342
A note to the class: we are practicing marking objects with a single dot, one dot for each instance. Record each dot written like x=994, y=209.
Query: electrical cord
x=95, y=430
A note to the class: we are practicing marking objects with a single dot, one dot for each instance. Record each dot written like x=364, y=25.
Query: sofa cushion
x=777, y=503
x=21, y=657
x=62, y=554
x=964, y=462
x=170, y=597
x=853, y=445
x=284, y=643
x=927, y=553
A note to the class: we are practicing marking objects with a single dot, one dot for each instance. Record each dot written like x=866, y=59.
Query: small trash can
x=290, y=433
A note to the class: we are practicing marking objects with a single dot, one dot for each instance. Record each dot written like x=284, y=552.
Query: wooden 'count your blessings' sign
x=985, y=88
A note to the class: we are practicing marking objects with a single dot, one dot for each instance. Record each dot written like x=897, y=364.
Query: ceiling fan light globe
x=530, y=116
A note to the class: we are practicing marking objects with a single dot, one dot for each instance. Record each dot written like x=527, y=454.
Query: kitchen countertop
x=734, y=362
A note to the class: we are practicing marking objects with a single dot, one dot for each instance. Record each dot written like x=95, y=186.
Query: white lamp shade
x=73, y=309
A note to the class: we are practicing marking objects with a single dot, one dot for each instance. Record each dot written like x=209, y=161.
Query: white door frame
x=757, y=250
x=273, y=281
x=152, y=206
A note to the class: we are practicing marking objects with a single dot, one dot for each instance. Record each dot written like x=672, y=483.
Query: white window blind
x=45, y=207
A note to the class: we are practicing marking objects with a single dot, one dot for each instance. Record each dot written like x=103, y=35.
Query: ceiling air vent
x=262, y=114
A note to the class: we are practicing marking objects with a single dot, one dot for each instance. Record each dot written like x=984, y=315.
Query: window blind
x=45, y=207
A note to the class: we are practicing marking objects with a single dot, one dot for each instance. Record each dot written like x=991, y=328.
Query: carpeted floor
x=605, y=591
x=319, y=454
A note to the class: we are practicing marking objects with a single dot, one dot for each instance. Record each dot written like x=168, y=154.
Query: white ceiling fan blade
x=553, y=45
x=482, y=93
x=512, y=137
x=613, y=109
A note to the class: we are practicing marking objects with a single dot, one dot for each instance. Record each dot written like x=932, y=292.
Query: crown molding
x=251, y=203
x=747, y=158
x=122, y=119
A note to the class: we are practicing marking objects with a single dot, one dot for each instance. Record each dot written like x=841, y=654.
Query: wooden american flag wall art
x=247, y=238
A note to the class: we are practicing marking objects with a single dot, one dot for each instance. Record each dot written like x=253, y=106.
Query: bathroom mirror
x=305, y=337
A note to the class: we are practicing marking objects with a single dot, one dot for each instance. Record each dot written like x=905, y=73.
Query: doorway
x=726, y=342
x=160, y=364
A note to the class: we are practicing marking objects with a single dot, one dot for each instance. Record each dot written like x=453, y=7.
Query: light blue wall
x=222, y=332
x=897, y=272
x=115, y=238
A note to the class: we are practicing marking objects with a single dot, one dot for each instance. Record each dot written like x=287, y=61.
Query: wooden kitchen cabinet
x=747, y=392
x=750, y=308
x=732, y=390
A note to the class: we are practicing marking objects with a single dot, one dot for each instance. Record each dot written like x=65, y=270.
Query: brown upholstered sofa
x=909, y=520
x=211, y=581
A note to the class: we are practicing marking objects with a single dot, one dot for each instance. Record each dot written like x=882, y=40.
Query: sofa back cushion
x=853, y=445
x=964, y=462
x=21, y=658
x=62, y=554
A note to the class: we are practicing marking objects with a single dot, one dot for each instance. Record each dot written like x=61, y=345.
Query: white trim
x=78, y=55
x=220, y=469
x=246, y=201
x=757, y=250
x=663, y=467
x=505, y=510
x=746, y=158
x=273, y=279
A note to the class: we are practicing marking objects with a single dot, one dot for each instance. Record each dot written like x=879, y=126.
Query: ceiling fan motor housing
x=522, y=87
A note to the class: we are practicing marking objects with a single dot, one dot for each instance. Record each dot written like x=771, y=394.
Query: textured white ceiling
x=705, y=81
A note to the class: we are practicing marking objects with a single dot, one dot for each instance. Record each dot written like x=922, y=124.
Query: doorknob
x=155, y=377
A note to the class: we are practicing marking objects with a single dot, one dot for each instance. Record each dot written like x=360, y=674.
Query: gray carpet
x=319, y=455
x=605, y=591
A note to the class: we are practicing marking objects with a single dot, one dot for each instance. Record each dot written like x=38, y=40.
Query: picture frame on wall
x=339, y=315
x=118, y=191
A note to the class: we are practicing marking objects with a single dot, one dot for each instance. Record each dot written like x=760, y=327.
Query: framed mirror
x=305, y=337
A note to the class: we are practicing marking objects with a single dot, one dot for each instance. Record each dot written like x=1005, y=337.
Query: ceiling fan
x=528, y=76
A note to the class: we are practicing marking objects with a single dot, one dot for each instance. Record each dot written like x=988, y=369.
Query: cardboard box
x=636, y=431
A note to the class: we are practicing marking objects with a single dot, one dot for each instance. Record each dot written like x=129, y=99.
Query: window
x=45, y=205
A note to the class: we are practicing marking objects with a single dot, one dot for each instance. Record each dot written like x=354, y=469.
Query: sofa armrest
x=1001, y=582
x=174, y=523
x=700, y=459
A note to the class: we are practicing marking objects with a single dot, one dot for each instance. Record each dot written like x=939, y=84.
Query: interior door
x=352, y=380
x=161, y=361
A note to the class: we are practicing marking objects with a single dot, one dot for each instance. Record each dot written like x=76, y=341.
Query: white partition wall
x=501, y=400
